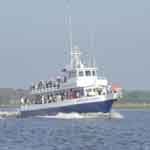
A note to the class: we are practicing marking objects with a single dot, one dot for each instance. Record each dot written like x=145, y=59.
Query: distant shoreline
x=132, y=105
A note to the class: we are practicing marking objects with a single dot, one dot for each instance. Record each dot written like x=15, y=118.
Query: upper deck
x=75, y=76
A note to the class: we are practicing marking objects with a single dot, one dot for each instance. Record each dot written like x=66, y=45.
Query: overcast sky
x=34, y=39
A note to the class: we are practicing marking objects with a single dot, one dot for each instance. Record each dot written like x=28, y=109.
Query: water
x=78, y=132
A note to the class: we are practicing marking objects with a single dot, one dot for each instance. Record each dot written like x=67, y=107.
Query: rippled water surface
x=44, y=133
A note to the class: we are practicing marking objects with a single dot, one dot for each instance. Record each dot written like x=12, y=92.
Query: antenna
x=70, y=32
x=75, y=53
x=93, y=62
x=69, y=22
x=102, y=71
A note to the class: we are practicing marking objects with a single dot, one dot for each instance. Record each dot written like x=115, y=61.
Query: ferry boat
x=79, y=89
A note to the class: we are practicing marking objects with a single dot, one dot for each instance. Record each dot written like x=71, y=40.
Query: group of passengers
x=46, y=84
x=66, y=95
x=99, y=91
x=52, y=98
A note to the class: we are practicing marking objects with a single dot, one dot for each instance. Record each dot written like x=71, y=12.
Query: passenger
x=22, y=101
x=91, y=92
x=65, y=79
x=54, y=98
x=65, y=95
x=99, y=91
x=58, y=85
x=58, y=79
x=40, y=85
x=104, y=91
x=43, y=99
x=77, y=94
x=95, y=91
x=54, y=84
x=50, y=98
x=62, y=96
x=25, y=100
x=28, y=101
x=47, y=85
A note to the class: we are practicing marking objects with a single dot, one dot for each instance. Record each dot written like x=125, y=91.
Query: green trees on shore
x=136, y=95
x=11, y=97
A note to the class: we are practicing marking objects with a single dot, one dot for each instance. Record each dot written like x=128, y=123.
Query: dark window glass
x=80, y=73
x=88, y=73
x=72, y=74
x=94, y=73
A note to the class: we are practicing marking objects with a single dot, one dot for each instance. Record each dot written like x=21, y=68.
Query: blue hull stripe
x=104, y=107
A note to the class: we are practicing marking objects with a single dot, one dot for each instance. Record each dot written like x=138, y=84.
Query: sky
x=34, y=40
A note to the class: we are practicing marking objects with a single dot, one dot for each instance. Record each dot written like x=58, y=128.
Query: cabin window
x=94, y=73
x=72, y=74
x=81, y=73
x=89, y=90
x=88, y=73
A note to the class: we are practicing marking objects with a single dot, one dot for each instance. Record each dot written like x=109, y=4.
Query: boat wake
x=112, y=115
x=117, y=115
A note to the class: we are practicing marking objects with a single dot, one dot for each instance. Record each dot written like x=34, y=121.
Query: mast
x=69, y=22
x=75, y=61
x=71, y=41
x=70, y=32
